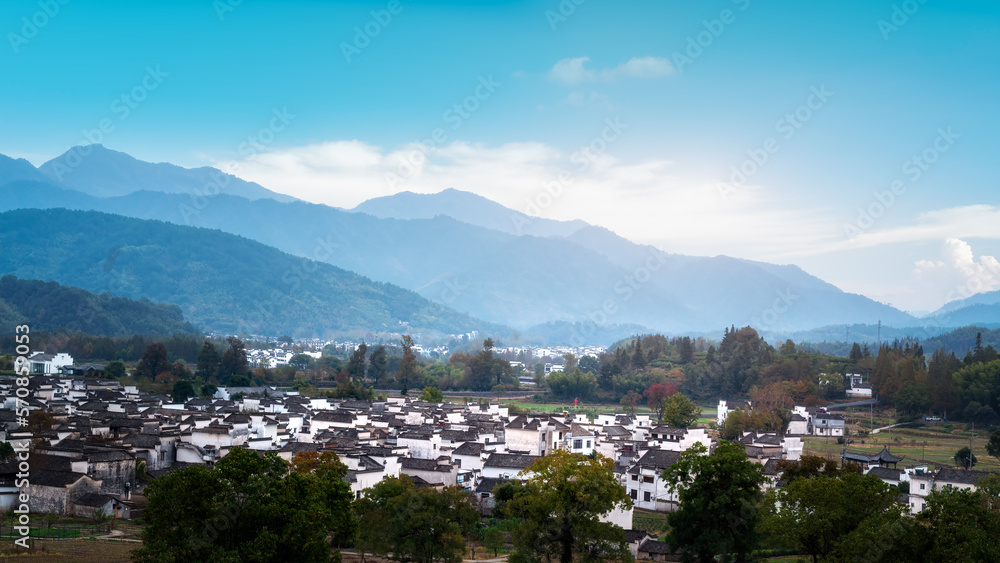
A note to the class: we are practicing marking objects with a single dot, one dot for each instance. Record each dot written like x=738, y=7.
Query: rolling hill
x=222, y=282
x=457, y=248
x=102, y=172
x=48, y=306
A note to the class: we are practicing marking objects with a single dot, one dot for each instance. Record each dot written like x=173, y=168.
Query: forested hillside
x=48, y=306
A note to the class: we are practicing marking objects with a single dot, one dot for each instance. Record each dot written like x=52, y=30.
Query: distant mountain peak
x=102, y=172
x=467, y=207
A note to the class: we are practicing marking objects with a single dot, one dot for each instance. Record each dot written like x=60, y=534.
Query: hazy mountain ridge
x=221, y=281
x=49, y=306
x=468, y=208
x=590, y=275
x=102, y=172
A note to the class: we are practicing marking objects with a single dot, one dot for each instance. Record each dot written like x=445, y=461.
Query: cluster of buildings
x=107, y=439
x=106, y=435
x=806, y=421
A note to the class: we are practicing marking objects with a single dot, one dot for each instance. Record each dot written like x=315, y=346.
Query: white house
x=923, y=482
x=48, y=364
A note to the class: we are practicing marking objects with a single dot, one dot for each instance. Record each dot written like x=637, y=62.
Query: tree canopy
x=248, y=508
x=719, y=494
x=560, y=508
x=407, y=523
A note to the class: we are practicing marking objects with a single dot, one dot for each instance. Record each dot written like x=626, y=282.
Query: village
x=107, y=440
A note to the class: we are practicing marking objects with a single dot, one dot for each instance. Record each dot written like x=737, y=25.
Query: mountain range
x=48, y=306
x=474, y=255
x=221, y=282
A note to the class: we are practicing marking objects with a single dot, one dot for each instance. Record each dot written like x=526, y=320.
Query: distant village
x=108, y=439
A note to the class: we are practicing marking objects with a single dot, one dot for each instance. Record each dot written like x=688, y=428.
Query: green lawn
x=934, y=445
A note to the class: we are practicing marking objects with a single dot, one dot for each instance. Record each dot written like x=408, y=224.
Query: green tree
x=248, y=508
x=234, y=359
x=680, y=411
x=356, y=364
x=856, y=354
x=816, y=514
x=913, y=398
x=657, y=396
x=719, y=495
x=559, y=510
x=955, y=525
x=154, y=361
x=301, y=361
x=420, y=525
x=377, y=365
x=6, y=450
x=208, y=361
x=493, y=540
x=40, y=420
x=208, y=390
x=965, y=458
x=182, y=390
x=431, y=395
x=993, y=446
x=629, y=402
x=572, y=385
x=408, y=365
x=115, y=369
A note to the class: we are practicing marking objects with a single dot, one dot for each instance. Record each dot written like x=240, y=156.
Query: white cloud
x=571, y=71
x=970, y=221
x=647, y=201
x=574, y=71
x=957, y=274
x=645, y=67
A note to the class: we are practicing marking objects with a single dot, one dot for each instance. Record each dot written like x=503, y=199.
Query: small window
x=577, y=444
x=484, y=495
x=645, y=496
x=921, y=486
x=588, y=443
x=634, y=494
x=647, y=479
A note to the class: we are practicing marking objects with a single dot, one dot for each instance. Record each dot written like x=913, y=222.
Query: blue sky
x=643, y=109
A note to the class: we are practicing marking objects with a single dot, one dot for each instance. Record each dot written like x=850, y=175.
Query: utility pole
x=971, y=434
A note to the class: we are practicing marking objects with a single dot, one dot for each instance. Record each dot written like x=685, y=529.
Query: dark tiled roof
x=653, y=546
x=963, y=476
x=513, y=461
x=658, y=459
x=93, y=499
x=469, y=448
x=886, y=473
x=59, y=479
x=487, y=484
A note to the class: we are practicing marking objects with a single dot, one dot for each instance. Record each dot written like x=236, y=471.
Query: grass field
x=79, y=550
x=934, y=445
